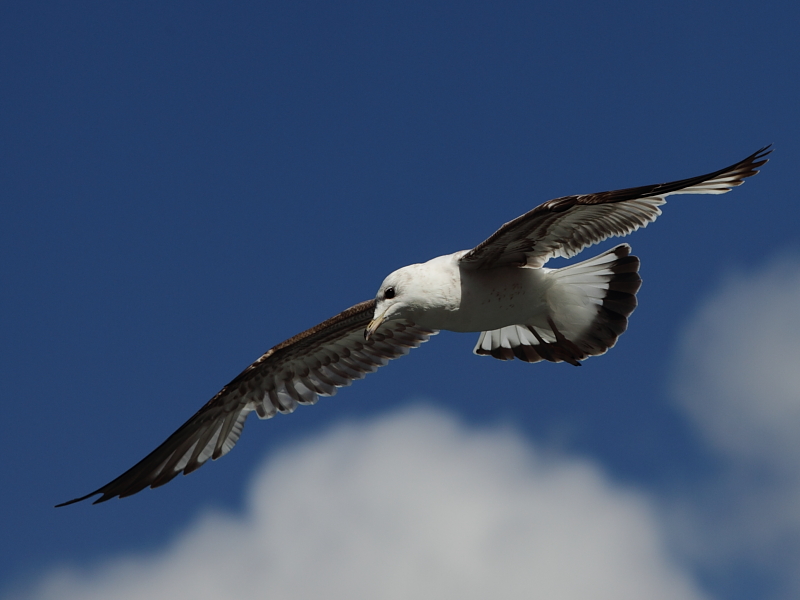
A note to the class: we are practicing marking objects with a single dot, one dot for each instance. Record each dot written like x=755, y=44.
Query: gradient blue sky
x=185, y=185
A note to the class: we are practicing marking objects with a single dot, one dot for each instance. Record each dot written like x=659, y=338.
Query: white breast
x=488, y=299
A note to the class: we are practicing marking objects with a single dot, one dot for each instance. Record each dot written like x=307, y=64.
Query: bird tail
x=588, y=308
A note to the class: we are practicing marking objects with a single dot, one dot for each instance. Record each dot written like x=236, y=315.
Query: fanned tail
x=590, y=303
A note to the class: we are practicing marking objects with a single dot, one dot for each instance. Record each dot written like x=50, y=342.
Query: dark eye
x=389, y=293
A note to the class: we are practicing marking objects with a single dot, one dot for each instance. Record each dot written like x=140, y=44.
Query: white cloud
x=739, y=382
x=410, y=506
x=740, y=369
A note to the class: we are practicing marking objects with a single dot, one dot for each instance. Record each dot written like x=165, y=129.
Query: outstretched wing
x=565, y=226
x=311, y=364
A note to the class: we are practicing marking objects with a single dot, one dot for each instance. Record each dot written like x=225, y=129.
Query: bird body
x=442, y=292
x=447, y=295
x=499, y=288
x=493, y=298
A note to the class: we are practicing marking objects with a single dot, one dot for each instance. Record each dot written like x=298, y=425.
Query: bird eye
x=389, y=293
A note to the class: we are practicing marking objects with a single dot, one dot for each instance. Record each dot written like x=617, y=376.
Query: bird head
x=417, y=293
x=395, y=298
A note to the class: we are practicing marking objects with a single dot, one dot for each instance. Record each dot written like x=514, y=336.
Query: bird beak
x=373, y=326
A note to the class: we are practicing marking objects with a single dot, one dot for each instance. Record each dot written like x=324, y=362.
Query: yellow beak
x=373, y=326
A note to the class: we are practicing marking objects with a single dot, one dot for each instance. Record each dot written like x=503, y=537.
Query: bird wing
x=565, y=226
x=311, y=364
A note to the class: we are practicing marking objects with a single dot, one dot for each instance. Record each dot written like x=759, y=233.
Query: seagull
x=499, y=289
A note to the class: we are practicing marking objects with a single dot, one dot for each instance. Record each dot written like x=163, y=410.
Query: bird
x=499, y=289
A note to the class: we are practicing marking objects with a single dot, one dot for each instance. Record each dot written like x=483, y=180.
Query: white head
x=412, y=291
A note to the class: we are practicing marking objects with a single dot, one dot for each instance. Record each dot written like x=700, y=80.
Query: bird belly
x=495, y=298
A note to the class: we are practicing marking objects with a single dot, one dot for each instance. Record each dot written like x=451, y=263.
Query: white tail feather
x=589, y=304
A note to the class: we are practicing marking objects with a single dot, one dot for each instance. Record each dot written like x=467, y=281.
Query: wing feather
x=311, y=364
x=565, y=226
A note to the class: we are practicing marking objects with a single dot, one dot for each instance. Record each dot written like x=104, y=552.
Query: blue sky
x=187, y=184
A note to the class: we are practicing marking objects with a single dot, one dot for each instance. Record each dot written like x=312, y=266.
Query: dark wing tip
x=86, y=497
x=756, y=160
x=762, y=152
x=108, y=491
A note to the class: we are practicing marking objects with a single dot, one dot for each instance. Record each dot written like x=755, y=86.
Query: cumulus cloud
x=739, y=382
x=413, y=505
x=740, y=375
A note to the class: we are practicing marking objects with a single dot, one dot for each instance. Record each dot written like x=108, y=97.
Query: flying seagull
x=499, y=289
